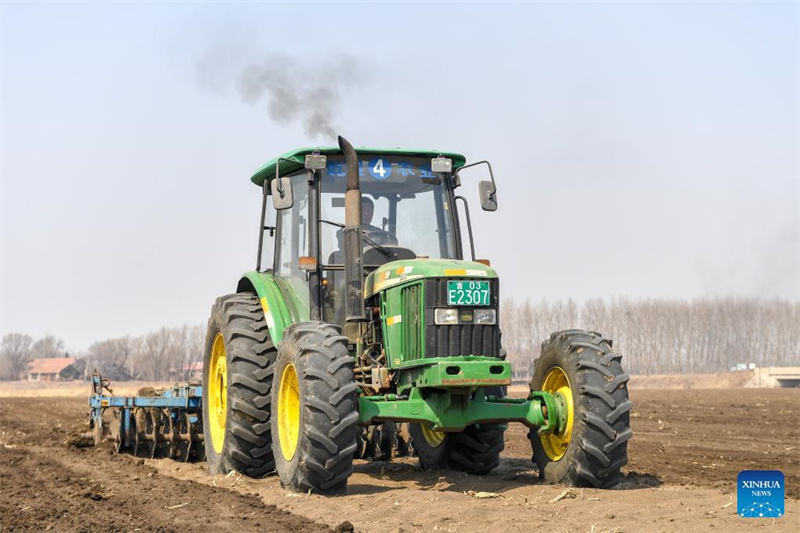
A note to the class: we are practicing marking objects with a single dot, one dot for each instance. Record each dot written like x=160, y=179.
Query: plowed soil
x=687, y=448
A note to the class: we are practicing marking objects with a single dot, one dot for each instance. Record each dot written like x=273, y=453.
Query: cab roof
x=298, y=157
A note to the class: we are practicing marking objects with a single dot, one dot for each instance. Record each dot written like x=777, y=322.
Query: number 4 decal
x=379, y=170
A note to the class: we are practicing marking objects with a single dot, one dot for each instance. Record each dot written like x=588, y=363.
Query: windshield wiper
x=384, y=251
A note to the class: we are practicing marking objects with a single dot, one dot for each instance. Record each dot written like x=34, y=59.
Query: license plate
x=468, y=293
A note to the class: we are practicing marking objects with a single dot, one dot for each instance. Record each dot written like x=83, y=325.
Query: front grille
x=412, y=321
x=464, y=339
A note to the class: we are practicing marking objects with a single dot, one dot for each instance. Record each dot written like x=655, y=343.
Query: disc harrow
x=153, y=424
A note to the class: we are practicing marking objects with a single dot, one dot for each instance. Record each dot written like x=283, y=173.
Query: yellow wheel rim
x=289, y=412
x=555, y=444
x=432, y=437
x=218, y=393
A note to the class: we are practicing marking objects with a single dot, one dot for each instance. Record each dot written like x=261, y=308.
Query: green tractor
x=346, y=325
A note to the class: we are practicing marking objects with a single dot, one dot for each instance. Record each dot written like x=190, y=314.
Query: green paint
x=462, y=372
x=388, y=276
x=297, y=297
x=453, y=412
x=284, y=306
x=297, y=156
x=401, y=287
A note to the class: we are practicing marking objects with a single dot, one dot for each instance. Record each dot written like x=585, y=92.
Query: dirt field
x=687, y=448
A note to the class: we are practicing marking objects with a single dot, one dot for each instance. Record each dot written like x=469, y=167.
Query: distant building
x=48, y=369
x=76, y=370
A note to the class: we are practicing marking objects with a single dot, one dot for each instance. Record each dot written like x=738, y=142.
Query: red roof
x=49, y=365
x=193, y=367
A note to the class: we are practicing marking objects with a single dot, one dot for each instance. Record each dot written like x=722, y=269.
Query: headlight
x=485, y=316
x=446, y=316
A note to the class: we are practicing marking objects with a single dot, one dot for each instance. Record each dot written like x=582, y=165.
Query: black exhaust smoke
x=353, y=254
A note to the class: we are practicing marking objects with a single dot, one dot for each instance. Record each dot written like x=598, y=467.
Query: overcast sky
x=648, y=150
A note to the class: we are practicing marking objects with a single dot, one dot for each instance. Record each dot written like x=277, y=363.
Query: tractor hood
x=397, y=272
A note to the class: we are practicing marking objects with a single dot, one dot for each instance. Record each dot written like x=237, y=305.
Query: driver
x=375, y=233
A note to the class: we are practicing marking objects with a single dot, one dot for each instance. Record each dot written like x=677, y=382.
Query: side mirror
x=487, y=189
x=282, y=193
x=488, y=195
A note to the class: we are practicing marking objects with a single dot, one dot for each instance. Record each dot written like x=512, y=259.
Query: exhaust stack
x=353, y=253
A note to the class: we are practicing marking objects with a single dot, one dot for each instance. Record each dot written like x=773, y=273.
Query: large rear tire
x=430, y=446
x=237, y=384
x=591, y=446
x=314, y=415
x=475, y=450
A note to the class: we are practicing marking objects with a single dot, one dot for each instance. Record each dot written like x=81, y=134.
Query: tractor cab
x=407, y=212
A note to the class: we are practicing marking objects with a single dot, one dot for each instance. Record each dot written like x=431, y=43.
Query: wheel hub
x=218, y=393
x=555, y=444
x=289, y=412
x=432, y=437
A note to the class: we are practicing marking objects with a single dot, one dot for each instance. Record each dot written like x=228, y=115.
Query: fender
x=281, y=305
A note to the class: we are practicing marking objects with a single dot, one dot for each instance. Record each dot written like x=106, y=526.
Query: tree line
x=656, y=336
x=663, y=336
x=162, y=355
x=18, y=350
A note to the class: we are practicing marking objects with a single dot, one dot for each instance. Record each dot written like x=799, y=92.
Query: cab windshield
x=405, y=208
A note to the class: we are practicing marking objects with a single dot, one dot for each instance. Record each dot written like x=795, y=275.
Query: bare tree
x=110, y=357
x=16, y=353
x=152, y=355
x=184, y=350
x=48, y=346
x=167, y=354
x=660, y=336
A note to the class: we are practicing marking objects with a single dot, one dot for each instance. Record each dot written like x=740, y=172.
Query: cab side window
x=268, y=244
x=292, y=232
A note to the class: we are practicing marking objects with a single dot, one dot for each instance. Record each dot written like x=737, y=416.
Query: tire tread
x=602, y=424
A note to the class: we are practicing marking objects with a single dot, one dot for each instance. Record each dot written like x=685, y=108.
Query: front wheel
x=314, y=412
x=590, y=446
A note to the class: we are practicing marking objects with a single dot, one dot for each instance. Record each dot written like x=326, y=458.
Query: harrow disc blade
x=163, y=432
x=144, y=442
x=150, y=433
x=198, y=448
x=119, y=438
x=182, y=452
x=186, y=437
x=199, y=451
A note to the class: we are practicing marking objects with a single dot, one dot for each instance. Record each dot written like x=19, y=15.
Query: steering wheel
x=382, y=237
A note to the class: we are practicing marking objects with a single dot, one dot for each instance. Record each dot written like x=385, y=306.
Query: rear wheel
x=430, y=446
x=237, y=385
x=476, y=450
x=590, y=446
x=314, y=415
